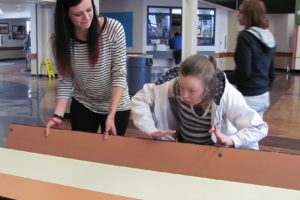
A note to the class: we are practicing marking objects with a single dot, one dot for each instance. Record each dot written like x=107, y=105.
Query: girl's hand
x=110, y=128
x=157, y=135
x=220, y=138
x=52, y=122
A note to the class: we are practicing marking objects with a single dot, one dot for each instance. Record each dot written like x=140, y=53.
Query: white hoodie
x=233, y=116
x=264, y=35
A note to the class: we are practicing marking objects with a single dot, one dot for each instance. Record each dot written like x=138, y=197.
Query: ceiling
x=19, y=8
x=22, y=8
x=273, y=6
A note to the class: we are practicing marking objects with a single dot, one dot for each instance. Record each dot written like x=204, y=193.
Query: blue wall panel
x=126, y=18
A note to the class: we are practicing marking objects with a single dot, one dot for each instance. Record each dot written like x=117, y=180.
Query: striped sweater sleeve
x=119, y=71
x=64, y=87
x=65, y=84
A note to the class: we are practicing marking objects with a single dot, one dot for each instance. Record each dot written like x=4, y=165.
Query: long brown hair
x=254, y=12
x=65, y=31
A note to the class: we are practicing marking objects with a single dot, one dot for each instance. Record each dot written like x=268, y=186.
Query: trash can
x=138, y=71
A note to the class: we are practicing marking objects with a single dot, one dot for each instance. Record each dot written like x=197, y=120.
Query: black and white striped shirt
x=92, y=86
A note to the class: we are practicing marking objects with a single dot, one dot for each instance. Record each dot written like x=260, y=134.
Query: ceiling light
x=1, y=12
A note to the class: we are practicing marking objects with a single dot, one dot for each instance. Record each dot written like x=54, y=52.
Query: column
x=189, y=27
x=44, y=20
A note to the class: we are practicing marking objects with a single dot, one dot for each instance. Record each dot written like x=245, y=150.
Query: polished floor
x=26, y=99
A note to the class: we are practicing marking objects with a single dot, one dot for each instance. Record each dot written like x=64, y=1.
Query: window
x=18, y=32
x=206, y=27
x=159, y=25
x=28, y=27
x=4, y=28
x=163, y=22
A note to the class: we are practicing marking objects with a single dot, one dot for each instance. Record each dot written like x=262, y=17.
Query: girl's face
x=192, y=89
x=81, y=15
x=241, y=17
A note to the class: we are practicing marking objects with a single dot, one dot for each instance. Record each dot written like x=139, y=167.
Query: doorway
x=176, y=24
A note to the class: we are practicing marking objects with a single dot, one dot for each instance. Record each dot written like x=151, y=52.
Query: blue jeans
x=259, y=103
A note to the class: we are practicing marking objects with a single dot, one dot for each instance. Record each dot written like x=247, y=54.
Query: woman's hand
x=157, y=135
x=220, y=138
x=110, y=128
x=52, y=122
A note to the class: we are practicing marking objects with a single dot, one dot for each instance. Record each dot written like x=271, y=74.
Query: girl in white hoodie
x=200, y=106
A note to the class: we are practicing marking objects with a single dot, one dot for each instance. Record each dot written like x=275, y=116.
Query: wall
x=34, y=39
x=222, y=36
x=221, y=23
x=134, y=6
x=284, y=38
x=283, y=35
x=226, y=26
x=139, y=9
x=174, y=3
x=221, y=30
x=9, y=42
x=281, y=25
x=11, y=53
x=12, y=48
x=227, y=62
x=45, y=30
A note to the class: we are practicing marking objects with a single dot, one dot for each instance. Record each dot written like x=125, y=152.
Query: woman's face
x=241, y=17
x=82, y=15
x=191, y=89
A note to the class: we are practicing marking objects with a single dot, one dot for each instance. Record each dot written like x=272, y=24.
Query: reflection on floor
x=284, y=114
x=26, y=99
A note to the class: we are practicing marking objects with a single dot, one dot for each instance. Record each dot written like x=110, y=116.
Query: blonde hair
x=199, y=65
x=203, y=67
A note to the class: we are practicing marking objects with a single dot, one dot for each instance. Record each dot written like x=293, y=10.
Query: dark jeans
x=177, y=56
x=82, y=119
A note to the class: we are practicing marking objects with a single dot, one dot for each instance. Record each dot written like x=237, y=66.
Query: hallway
x=25, y=99
x=284, y=115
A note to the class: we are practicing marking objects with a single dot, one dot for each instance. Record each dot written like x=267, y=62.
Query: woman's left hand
x=110, y=128
x=221, y=138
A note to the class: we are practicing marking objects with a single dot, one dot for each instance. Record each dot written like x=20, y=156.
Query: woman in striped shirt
x=90, y=56
x=200, y=105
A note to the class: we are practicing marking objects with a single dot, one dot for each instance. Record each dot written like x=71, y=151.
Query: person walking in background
x=90, y=56
x=26, y=42
x=200, y=105
x=177, y=45
x=254, y=56
x=26, y=49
